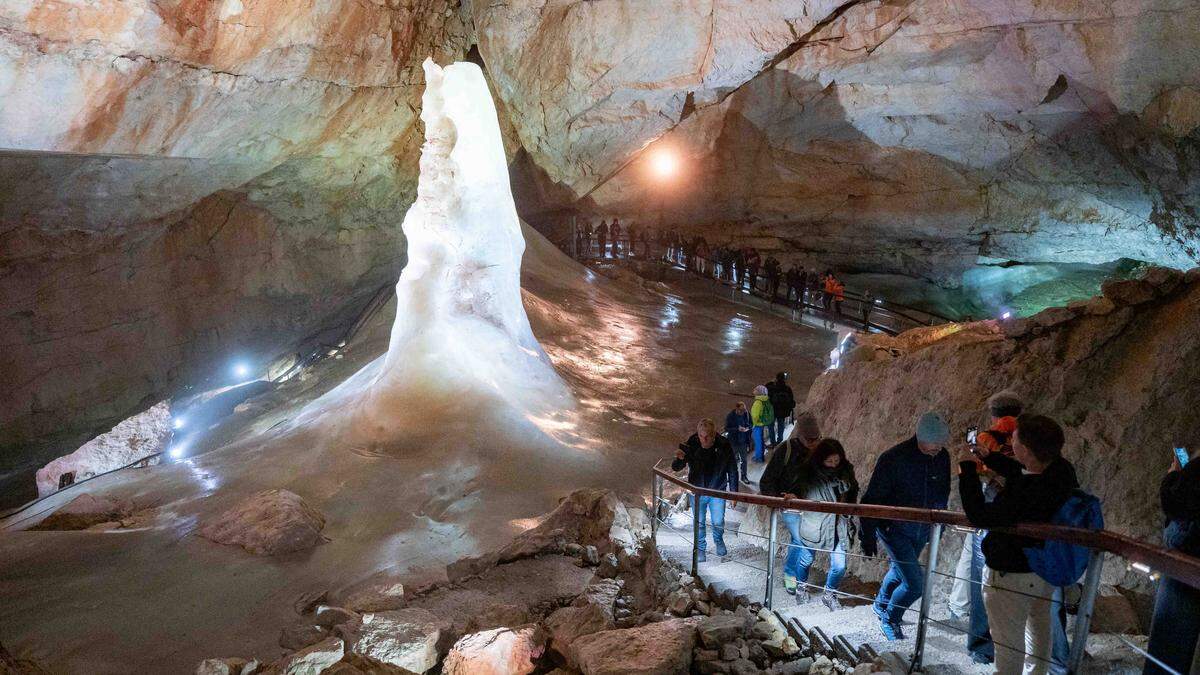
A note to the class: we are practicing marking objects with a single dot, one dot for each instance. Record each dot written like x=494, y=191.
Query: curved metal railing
x=1141, y=554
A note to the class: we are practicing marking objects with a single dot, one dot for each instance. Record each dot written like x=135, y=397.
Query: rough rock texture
x=315, y=659
x=951, y=133
x=500, y=651
x=139, y=436
x=662, y=648
x=271, y=522
x=405, y=638
x=1121, y=381
x=184, y=182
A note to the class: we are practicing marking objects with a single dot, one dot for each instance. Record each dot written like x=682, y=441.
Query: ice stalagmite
x=461, y=332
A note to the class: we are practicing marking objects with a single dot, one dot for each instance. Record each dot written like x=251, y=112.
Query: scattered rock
x=85, y=511
x=1053, y=316
x=500, y=651
x=1164, y=279
x=301, y=635
x=328, y=617
x=315, y=659
x=406, y=638
x=375, y=596
x=570, y=623
x=1114, y=613
x=590, y=556
x=609, y=567
x=231, y=666
x=717, y=630
x=680, y=603
x=730, y=652
x=309, y=601
x=822, y=665
x=663, y=648
x=272, y=522
x=798, y=667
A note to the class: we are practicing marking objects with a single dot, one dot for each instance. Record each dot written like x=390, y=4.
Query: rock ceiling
x=186, y=180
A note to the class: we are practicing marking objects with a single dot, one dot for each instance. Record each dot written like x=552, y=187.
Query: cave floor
x=643, y=360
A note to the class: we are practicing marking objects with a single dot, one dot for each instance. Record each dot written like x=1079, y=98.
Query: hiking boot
x=789, y=584
x=700, y=556
x=802, y=597
x=721, y=550
x=880, y=611
x=831, y=601
x=891, y=630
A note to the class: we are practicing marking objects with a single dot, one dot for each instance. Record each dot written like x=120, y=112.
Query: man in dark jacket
x=1176, y=626
x=737, y=430
x=787, y=463
x=783, y=401
x=711, y=464
x=1037, y=482
x=915, y=473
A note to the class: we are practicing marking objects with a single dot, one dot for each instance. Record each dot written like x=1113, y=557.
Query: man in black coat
x=1175, y=630
x=711, y=464
x=1036, y=485
x=783, y=402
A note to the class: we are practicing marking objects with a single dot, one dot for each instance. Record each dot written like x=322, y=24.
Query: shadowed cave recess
x=324, y=260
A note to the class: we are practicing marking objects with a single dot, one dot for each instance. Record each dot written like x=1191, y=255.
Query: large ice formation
x=461, y=335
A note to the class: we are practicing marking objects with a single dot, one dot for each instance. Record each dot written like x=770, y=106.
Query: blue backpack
x=1060, y=563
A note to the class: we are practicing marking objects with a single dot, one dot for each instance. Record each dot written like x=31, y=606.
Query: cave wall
x=186, y=182
x=949, y=134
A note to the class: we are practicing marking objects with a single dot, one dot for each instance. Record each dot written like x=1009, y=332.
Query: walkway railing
x=1141, y=555
x=860, y=310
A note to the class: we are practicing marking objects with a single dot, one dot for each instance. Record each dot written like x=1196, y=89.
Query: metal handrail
x=1177, y=565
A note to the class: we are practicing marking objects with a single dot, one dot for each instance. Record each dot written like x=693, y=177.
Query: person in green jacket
x=762, y=415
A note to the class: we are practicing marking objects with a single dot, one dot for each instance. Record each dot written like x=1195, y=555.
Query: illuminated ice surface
x=440, y=433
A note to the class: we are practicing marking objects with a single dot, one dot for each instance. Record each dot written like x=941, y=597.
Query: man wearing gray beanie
x=914, y=473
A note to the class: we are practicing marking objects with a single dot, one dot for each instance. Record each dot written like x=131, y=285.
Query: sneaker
x=802, y=597
x=880, y=611
x=891, y=630
x=721, y=550
x=789, y=584
x=700, y=556
x=831, y=601
x=983, y=659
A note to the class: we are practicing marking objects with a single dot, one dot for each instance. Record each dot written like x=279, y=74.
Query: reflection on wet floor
x=735, y=334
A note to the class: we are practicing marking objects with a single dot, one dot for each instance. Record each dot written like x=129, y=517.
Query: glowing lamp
x=178, y=423
x=241, y=370
x=664, y=163
x=1006, y=315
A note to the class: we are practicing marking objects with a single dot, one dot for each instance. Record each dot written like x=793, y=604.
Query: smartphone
x=1182, y=455
x=972, y=435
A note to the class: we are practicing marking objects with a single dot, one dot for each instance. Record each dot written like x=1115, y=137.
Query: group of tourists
x=1008, y=588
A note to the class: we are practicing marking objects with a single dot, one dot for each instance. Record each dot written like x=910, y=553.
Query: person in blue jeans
x=1175, y=628
x=737, y=430
x=827, y=476
x=762, y=417
x=914, y=473
x=711, y=464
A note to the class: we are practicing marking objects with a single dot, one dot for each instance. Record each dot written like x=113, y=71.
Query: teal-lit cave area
x=594, y=337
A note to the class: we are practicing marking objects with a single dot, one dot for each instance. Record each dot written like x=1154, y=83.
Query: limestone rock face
x=950, y=134
x=500, y=651
x=182, y=181
x=1122, y=384
x=661, y=648
x=272, y=522
x=139, y=436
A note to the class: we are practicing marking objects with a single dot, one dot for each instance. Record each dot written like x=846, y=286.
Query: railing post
x=1087, y=603
x=769, y=596
x=695, y=535
x=656, y=489
x=935, y=538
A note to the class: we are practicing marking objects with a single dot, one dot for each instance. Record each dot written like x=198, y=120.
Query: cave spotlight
x=178, y=422
x=664, y=162
x=241, y=369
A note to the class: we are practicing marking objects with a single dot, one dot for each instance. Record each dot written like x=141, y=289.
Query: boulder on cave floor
x=567, y=624
x=271, y=522
x=662, y=648
x=405, y=638
x=228, y=666
x=315, y=659
x=500, y=651
x=85, y=511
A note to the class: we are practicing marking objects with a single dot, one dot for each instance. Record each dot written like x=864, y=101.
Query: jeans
x=714, y=508
x=780, y=427
x=979, y=640
x=756, y=434
x=1060, y=649
x=800, y=557
x=740, y=451
x=1175, y=627
x=905, y=580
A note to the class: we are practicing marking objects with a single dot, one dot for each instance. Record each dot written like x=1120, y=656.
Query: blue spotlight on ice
x=241, y=370
x=1006, y=315
x=179, y=423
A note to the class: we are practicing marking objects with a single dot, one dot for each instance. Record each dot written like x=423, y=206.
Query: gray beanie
x=1005, y=404
x=931, y=428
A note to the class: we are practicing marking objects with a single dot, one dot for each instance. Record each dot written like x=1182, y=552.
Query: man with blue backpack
x=1040, y=486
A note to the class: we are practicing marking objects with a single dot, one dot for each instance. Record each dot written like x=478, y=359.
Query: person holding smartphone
x=1175, y=628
